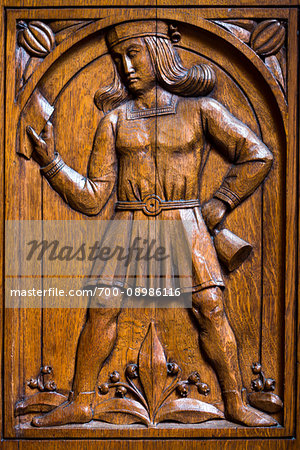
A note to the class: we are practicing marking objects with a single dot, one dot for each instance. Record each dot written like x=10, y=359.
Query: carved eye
x=132, y=53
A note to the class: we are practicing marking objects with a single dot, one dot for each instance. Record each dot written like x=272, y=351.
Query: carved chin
x=135, y=88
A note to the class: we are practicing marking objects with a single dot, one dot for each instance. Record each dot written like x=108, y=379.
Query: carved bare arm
x=85, y=194
x=251, y=159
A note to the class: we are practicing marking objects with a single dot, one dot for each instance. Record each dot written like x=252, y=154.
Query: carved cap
x=136, y=29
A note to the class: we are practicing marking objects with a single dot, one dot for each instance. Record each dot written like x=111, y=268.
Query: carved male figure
x=153, y=93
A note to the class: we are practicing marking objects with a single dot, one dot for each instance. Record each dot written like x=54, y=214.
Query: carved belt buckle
x=152, y=205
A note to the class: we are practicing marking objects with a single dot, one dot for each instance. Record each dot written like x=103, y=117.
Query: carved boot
x=78, y=409
x=238, y=411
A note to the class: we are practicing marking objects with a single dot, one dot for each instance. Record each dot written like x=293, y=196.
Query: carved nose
x=128, y=68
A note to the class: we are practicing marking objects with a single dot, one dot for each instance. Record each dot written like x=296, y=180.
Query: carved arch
x=203, y=24
x=92, y=37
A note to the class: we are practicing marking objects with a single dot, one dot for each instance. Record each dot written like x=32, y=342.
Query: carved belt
x=153, y=205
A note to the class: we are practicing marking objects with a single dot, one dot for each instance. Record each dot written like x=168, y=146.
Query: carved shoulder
x=226, y=131
x=108, y=123
x=214, y=112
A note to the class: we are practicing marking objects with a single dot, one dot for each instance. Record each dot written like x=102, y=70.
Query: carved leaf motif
x=64, y=32
x=247, y=24
x=120, y=411
x=266, y=401
x=241, y=33
x=40, y=402
x=268, y=37
x=281, y=56
x=36, y=38
x=152, y=369
x=58, y=25
x=188, y=410
x=273, y=65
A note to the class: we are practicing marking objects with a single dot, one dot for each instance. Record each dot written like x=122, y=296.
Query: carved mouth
x=132, y=80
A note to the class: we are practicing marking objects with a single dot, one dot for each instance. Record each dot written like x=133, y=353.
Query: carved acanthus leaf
x=150, y=407
x=263, y=398
x=247, y=24
x=39, y=402
x=120, y=411
x=266, y=38
x=274, y=66
x=265, y=401
x=152, y=369
x=36, y=40
x=241, y=33
x=65, y=28
x=188, y=410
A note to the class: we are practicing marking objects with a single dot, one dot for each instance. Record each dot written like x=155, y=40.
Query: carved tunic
x=136, y=151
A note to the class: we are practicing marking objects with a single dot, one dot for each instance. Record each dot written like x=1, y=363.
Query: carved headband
x=136, y=29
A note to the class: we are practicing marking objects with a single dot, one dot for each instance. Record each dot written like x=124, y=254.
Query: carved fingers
x=43, y=144
x=213, y=213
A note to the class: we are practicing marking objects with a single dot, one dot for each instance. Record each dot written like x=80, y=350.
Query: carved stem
x=263, y=378
x=138, y=394
x=168, y=391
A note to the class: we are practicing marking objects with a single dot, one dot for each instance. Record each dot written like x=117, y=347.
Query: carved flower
x=172, y=368
x=194, y=378
x=121, y=391
x=103, y=388
x=203, y=388
x=46, y=369
x=50, y=386
x=256, y=368
x=32, y=383
x=257, y=384
x=114, y=377
x=131, y=371
x=183, y=389
x=269, y=384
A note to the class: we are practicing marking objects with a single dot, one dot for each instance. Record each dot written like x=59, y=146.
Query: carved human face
x=134, y=65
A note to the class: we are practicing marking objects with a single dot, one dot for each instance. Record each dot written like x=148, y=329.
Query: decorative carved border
x=291, y=258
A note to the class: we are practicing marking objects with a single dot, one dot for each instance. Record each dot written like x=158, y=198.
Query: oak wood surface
x=264, y=322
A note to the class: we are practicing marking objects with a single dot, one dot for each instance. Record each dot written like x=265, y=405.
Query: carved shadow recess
x=175, y=384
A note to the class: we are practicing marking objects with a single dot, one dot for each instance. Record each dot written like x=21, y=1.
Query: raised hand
x=213, y=213
x=43, y=145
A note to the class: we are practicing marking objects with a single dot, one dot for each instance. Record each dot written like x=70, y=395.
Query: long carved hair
x=197, y=81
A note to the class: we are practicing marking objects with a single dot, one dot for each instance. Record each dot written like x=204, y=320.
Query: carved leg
x=94, y=346
x=219, y=345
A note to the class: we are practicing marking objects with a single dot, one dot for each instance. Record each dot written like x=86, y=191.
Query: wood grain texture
x=90, y=3
x=20, y=206
x=175, y=444
x=2, y=188
x=291, y=232
x=260, y=296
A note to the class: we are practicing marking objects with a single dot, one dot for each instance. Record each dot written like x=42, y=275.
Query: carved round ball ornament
x=268, y=37
x=36, y=38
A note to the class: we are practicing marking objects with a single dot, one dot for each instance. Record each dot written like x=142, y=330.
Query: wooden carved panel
x=143, y=117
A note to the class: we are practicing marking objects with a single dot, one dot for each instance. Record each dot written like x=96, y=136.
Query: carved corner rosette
x=266, y=38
